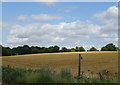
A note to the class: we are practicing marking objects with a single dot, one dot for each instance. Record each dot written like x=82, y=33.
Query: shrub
x=65, y=73
x=45, y=75
x=12, y=75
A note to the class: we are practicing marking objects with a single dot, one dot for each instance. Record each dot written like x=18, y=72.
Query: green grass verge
x=45, y=75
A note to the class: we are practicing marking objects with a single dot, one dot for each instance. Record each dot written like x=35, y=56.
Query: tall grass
x=45, y=75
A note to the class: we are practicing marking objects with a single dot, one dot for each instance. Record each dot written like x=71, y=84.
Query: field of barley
x=93, y=61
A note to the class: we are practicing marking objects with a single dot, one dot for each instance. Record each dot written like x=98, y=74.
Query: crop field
x=93, y=61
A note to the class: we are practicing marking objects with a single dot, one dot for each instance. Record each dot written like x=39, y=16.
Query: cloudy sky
x=67, y=24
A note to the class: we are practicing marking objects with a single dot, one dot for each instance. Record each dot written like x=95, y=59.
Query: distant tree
x=14, y=51
x=72, y=49
x=93, y=49
x=26, y=49
x=50, y=49
x=109, y=47
x=19, y=50
x=56, y=48
x=23, y=50
x=104, y=49
x=64, y=49
x=77, y=49
x=34, y=49
x=81, y=49
x=0, y=50
x=5, y=51
x=43, y=50
x=68, y=50
x=9, y=49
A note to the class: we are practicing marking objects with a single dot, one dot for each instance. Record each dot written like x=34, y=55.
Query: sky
x=66, y=24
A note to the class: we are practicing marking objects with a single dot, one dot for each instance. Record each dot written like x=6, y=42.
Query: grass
x=42, y=75
x=46, y=75
x=93, y=61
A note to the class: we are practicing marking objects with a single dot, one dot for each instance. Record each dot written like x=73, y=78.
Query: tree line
x=25, y=49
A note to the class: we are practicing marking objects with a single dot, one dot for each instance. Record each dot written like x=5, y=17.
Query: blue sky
x=63, y=23
x=84, y=10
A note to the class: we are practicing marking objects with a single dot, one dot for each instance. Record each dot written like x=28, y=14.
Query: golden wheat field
x=94, y=61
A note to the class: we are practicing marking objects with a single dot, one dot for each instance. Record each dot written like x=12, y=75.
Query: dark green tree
x=50, y=49
x=23, y=50
x=64, y=49
x=109, y=47
x=77, y=49
x=81, y=49
x=56, y=48
x=26, y=49
x=93, y=49
x=72, y=49
x=5, y=51
x=34, y=49
x=104, y=49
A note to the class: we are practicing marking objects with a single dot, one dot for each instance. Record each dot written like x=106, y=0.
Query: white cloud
x=23, y=17
x=41, y=17
x=6, y=25
x=47, y=2
x=111, y=39
x=108, y=21
x=72, y=33
x=108, y=18
x=46, y=17
x=52, y=33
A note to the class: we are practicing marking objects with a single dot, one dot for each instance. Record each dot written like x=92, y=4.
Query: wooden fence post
x=79, y=66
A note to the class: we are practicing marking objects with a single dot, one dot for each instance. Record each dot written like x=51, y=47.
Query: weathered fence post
x=79, y=66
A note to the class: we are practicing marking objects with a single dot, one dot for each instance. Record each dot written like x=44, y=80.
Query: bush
x=12, y=75
x=45, y=75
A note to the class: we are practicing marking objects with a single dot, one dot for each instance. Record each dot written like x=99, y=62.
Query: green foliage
x=109, y=47
x=45, y=75
x=81, y=49
x=12, y=75
x=6, y=51
x=64, y=49
x=53, y=49
x=72, y=49
x=104, y=49
x=93, y=49
x=21, y=50
x=34, y=50
x=77, y=49
x=65, y=73
x=42, y=75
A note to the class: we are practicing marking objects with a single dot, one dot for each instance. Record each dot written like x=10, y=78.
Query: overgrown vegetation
x=20, y=50
x=46, y=75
